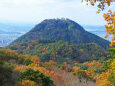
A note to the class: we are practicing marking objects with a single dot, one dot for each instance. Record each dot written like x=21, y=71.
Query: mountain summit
x=62, y=29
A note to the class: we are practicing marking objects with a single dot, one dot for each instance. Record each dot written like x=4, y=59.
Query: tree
x=27, y=61
x=109, y=17
x=5, y=75
x=101, y=4
x=37, y=77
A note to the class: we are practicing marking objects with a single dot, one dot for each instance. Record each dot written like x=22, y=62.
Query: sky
x=35, y=11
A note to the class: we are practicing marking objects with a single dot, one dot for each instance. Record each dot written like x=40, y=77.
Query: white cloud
x=37, y=10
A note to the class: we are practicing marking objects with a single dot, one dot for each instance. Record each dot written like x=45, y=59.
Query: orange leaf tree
x=109, y=17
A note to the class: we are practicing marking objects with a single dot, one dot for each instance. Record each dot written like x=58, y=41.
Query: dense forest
x=26, y=70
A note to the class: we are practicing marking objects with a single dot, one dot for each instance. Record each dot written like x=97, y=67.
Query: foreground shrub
x=37, y=77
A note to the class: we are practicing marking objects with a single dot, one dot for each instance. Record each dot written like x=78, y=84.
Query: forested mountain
x=61, y=29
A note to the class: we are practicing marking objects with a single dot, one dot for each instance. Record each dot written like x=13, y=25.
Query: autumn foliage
x=42, y=70
x=110, y=27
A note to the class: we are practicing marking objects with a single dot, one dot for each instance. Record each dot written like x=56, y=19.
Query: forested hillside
x=60, y=51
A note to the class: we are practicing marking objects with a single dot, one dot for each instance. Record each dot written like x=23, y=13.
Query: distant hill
x=7, y=37
x=97, y=30
x=11, y=31
x=12, y=27
x=94, y=27
x=62, y=29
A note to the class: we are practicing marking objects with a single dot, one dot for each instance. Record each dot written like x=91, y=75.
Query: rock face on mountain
x=62, y=29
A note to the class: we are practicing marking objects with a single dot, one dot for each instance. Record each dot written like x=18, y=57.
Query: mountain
x=62, y=29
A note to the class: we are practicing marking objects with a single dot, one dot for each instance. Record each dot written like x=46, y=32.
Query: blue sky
x=34, y=11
